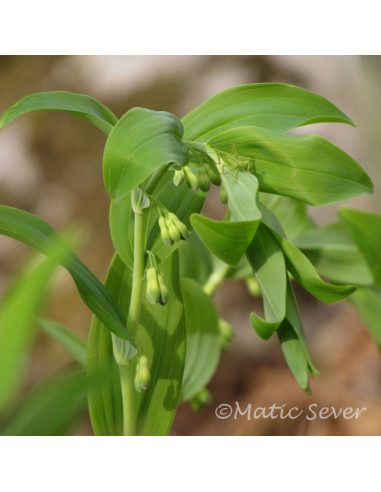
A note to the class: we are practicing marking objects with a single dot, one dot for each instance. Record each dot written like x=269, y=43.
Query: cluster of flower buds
x=226, y=333
x=171, y=228
x=142, y=375
x=157, y=292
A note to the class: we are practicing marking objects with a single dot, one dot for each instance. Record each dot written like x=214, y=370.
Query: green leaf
x=161, y=337
x=50, y=409
x=367, y=301
x=306, y=275
x=141, y=141
x=85, y=107
x=267, y=261
x=294, y=354
x=365, y=228
x=334, y=254
x=242, y=190
x=203, y=338
x=275, y=106
x=308, y=167
x=73, y=343
x=227, y=240
x=17, y=324
x=105, y=399
x=291, y=214
x=35, y=232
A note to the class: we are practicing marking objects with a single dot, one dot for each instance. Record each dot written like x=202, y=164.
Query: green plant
x=156, y=334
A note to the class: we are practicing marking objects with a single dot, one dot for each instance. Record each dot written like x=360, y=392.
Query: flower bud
x=223, y=195
x=202, y=398
x=178, y=177
x=191, y=179
x=174, y=232
x=165, y=236
x=226, y=333
x=184, y=233
x=153, y=289
x=213, y=173
x=203, y=180
x=142, y=375
x=163, y=290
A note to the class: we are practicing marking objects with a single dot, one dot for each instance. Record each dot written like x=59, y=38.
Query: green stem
x=127, y=371
x=215, y=279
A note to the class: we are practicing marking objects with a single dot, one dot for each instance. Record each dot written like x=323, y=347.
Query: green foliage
x=155, y=338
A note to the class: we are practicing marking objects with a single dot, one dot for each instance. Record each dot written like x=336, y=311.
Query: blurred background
x=50, y=164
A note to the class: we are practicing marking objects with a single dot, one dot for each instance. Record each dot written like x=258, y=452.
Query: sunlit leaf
x=308, y=167
x=203, y=338
x=227, y=240
x=275, y=106
x=141, y=141
x=85, y=107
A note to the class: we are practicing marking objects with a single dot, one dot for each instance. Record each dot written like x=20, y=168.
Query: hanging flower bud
x=153, y=288
x=184, y=233
x=223, y=195
x=203, y=179
x=174, y=233
x=200, y=399
x=178, y=177
x=142, y=375
x=213, y=173
x=191, y=179
x=163, y=290
x=164, y=232
x=226, y=333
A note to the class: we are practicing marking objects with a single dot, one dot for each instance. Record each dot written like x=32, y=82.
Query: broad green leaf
x=51, y=408
x=267, y=261
x=141, y=142
x=242, y=190
x=35, y=232
x=178, y=200
x=275, y=106
x=73, y=343
x=105, y=399
x=203, y=338
x=308, y=167
x=334, y=254
x=291, y=214
x=306, y=275
x=85, y=107
x=227, y=240
x=161, y=337
x=365, y=228
x=367, y=301
x=294, y=354
x=17, y=324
